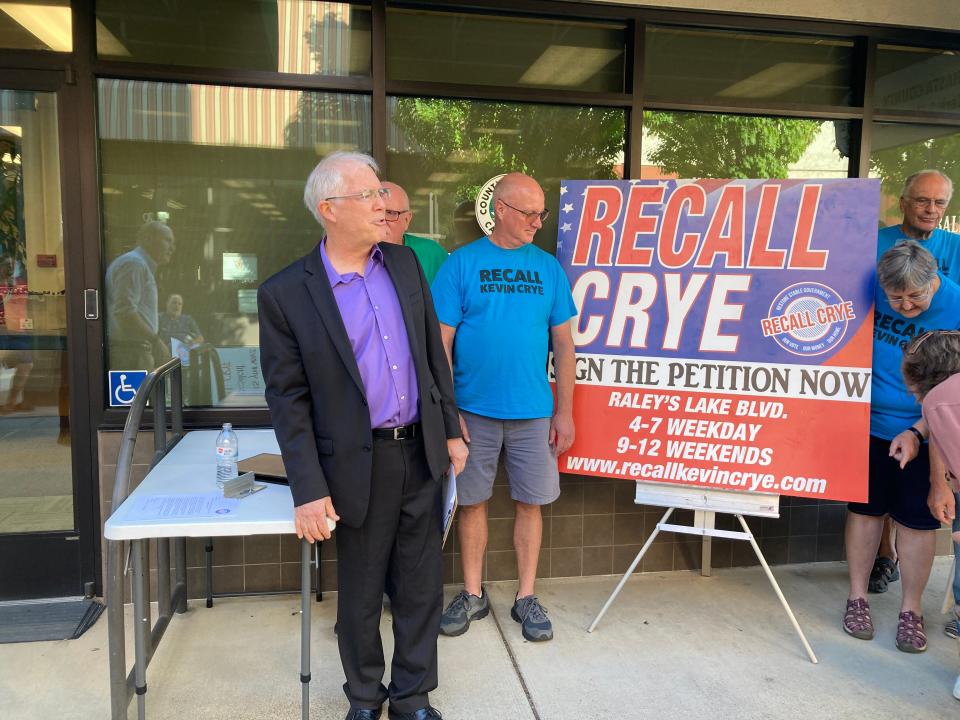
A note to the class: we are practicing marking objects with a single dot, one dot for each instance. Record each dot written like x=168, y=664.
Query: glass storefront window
x=702, y=66
x=511, y=51
x=36, y=483
x=900, y=149
x=911, y=78
x=36, y=25
x=219, y=171
x=442, y=151
x=286, y=36
x=709, y=145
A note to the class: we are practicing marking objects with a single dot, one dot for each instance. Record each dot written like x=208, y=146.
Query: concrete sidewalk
x=674, y=645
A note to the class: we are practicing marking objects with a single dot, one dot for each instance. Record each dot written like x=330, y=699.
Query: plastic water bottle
x=227, y=448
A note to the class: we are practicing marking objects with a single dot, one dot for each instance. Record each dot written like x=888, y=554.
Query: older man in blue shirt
x=132, y=316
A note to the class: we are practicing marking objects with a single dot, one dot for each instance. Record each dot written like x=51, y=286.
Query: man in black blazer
x=361, y=399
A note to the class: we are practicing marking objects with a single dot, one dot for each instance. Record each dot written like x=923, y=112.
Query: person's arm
x=905, y=446
x=562, y=430
x=440, y=368
x=125, y=288
x=449, y=334
x=940, y=499
x=288, y=396
x=195, y=335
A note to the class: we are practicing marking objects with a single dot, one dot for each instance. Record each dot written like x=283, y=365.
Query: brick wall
x=594, y=528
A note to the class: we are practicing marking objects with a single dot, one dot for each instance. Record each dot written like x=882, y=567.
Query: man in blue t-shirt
x=502, y=302
x=923, y=202
x=926, y=195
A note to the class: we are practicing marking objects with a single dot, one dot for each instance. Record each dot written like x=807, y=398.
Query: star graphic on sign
x=568, y=208
x=560, y=245
x=566, y=227
x=563, y=189
x=584, y=193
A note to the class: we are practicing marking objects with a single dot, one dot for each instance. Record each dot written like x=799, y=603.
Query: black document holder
x=267, y=467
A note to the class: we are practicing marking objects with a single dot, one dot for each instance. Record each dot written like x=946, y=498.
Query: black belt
x=401, y=432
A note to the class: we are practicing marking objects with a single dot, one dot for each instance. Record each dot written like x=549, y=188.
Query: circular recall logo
x=807, y=318
x=483, y=207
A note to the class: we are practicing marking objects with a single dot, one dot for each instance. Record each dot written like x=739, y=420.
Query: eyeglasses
x=922, y=338
x=529, y=214
x=913, y=298
x=394, y=215
x=368, y=194
x=922, y=202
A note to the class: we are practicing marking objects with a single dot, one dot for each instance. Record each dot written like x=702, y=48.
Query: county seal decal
x=483, y=207
x=807, y=318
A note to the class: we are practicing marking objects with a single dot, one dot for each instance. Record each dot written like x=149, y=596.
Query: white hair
x=908, y=265
x=326, y=180
x=908, y=183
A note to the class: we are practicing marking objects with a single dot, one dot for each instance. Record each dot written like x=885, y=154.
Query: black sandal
x=884, y=572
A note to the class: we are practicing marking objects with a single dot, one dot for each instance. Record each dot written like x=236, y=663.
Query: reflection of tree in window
x=701, y=145
x=900, y=150
x=339, y=45
x=449, y=148
x=12, y=239
x=542, y=140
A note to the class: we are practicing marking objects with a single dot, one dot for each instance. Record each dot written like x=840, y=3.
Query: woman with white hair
x=912, y=297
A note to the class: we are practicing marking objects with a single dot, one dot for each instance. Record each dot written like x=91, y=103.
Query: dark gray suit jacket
x=314, y=390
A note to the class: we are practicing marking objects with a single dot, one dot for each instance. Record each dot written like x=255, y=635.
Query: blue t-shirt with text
x=502, y=304
x=892, y=407
x=942, y=244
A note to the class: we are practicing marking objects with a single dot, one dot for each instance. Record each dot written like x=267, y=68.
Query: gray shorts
x=531, y=465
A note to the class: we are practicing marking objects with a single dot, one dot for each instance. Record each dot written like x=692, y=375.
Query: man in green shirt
x=429, y=252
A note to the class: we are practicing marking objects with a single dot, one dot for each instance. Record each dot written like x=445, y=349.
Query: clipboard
x=449, y=503
x=267, y=467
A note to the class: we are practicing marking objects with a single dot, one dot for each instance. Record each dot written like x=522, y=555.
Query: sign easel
x=705, y=505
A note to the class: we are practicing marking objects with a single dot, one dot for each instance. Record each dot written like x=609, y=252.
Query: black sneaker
x=533, y=619
x=884, y=572
x=462, y=610
x=952, y=628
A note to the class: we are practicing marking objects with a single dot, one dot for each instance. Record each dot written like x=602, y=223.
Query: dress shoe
x=363, y=714
x=426, y=713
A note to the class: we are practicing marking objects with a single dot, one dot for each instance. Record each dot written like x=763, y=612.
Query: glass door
x=39, y=548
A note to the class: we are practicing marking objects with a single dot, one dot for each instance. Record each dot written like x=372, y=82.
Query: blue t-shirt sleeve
x=887, y=238
x=951, y=310
x=563, y=306
x=446, y=291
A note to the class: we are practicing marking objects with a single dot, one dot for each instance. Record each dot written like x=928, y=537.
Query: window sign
x=247, y=302
x=124, y=385
x=238, y=266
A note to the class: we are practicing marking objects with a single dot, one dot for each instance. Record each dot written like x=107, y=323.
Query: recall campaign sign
x=724, y=331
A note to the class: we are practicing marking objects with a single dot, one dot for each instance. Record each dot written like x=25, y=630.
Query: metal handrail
x=203, y=373
x=152, y=390
x=131, y=428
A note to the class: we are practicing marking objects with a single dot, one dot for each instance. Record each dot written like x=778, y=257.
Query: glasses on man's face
x=367, y=195
x=923, y=337
x=394, y=215
x=922, y=202
x=912, y=298
x=529, y=214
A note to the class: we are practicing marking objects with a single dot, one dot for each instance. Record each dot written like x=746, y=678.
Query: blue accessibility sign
x=123, y=386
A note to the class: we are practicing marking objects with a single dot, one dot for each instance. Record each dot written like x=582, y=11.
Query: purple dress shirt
x=371, y=314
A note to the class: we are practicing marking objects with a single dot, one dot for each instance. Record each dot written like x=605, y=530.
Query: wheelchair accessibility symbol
x=123, y=386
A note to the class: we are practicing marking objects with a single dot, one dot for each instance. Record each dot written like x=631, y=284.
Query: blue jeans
x=956, y=553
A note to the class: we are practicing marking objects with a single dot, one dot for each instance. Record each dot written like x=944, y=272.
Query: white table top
x=190, y=468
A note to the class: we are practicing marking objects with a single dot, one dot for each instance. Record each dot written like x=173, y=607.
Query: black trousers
x=397, y=550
